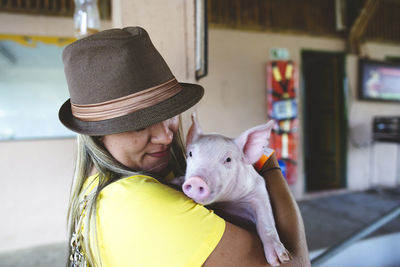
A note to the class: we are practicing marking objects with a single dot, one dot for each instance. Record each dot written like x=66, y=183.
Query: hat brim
x=185, y=99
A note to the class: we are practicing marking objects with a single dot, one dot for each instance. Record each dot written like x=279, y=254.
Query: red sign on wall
x=282, y=82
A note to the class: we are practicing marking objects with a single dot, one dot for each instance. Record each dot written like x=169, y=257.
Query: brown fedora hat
x=119, y=82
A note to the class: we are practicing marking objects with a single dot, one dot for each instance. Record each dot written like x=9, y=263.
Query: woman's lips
x=159, y=154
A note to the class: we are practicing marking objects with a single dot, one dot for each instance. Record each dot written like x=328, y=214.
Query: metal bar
x=201, y=39
x=329, y=253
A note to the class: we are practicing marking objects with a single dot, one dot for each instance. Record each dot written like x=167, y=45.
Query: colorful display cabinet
x=282, y=83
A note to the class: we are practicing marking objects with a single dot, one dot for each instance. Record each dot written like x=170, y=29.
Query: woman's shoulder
x=143, y=192
x=125, y=183
x=136, y=184
x=139, y=215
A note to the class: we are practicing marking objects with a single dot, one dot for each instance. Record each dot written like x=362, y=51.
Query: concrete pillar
x=170, y=25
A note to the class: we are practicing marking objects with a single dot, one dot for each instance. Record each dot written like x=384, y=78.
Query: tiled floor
x=327, y=220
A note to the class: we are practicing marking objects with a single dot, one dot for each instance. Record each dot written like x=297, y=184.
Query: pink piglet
x=220, y=170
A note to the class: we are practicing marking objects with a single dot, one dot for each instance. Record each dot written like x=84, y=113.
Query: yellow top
x=141, y=222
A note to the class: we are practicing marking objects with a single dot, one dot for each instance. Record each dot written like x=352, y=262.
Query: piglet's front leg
x=274, y=250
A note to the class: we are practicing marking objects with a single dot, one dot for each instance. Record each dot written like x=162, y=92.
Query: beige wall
x=236, y=85
x=370, y=164
x=235, y=98
x=34, y=190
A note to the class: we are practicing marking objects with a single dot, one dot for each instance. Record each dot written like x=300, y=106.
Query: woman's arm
x=237, y=247
x=240, y=247
x=287, y=215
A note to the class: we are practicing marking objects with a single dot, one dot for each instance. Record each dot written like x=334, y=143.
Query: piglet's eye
x=228, y=159
x=190, y=153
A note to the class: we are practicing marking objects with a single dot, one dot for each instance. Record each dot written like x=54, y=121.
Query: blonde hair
x=91, y=153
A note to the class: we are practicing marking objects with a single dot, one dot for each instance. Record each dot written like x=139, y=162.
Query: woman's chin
x=159, y=166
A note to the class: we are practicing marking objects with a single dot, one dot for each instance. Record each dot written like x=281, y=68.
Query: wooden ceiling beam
x=360, y=25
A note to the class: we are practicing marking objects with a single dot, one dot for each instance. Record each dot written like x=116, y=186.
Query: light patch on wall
x=32, y=87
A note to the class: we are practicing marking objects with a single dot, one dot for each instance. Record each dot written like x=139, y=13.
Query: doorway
x=325, y=120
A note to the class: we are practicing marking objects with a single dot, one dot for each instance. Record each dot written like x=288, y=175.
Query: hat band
x=127, y=104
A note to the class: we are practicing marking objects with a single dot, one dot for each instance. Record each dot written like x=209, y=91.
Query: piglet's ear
x=253, y=141
x=194, y=130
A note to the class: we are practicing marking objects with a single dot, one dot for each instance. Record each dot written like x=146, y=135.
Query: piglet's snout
x=196, y=188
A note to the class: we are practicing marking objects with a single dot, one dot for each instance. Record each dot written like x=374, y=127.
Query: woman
x=125, y=105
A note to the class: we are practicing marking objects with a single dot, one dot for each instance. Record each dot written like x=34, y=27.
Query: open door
x=325, y=128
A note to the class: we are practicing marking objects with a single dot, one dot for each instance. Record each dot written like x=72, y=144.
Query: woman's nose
x=161, y=133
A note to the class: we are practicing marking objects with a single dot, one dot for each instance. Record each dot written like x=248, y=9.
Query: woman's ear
x=194, y=131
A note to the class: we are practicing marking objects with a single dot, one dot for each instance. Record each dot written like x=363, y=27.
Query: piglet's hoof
x=276, y=253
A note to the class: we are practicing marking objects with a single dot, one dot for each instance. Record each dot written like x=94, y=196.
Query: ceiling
x=354, y=20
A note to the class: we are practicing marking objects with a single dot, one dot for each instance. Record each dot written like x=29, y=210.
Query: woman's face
x=146, y=149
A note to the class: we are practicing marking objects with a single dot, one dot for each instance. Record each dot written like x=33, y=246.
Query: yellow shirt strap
x=265, y=156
